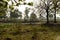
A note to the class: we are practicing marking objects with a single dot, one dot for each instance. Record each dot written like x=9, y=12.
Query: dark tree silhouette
x=46, y=6
x=55, y=8
x=14, y=14
x=3, y=8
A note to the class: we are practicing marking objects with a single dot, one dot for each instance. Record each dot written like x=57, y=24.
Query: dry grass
x=15, y=31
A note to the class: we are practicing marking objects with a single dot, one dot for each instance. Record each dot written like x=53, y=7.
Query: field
x=17, y=31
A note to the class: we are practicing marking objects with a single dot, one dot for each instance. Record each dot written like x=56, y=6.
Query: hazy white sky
x=29, y=1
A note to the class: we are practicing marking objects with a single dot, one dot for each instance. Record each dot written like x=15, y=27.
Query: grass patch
x=17, y=31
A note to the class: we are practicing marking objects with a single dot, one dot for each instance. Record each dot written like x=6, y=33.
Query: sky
x=27, y=1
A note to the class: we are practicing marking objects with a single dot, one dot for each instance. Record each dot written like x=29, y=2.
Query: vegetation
x=14, y=31
x=26, y=14
x=55, y=2
x=33, y=17
x=44, y=5
x=3, y=9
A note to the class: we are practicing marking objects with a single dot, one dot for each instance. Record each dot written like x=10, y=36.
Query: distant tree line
x=50, y=6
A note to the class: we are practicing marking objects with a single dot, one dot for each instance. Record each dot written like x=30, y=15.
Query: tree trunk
x=55, y=16
x=47, y=14
x=47, y=18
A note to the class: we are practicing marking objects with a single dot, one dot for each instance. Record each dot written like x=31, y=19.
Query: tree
x=51, y=17
x=33, y=17
x=3, y=8
x=55, y=2
x=46, y=6
x=20, y=15
x=14, y=14
x=26, y=14
x=17, y=3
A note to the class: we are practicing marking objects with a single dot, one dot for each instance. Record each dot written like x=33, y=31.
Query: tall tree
x=46, y=5
x=55, y=2
x=26, y=14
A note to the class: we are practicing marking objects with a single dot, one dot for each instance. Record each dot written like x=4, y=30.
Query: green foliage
x=17, y=4
x=11, y=7
x=26, y=14
x=33, y=17
x=50, y=15
x=27, y=11
x=3, y=8
x=20, y=14
x=4, y=3
x=24, y=3
x=31, y=3
x=14, y=14
x=2, y=15
x=20, y=0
